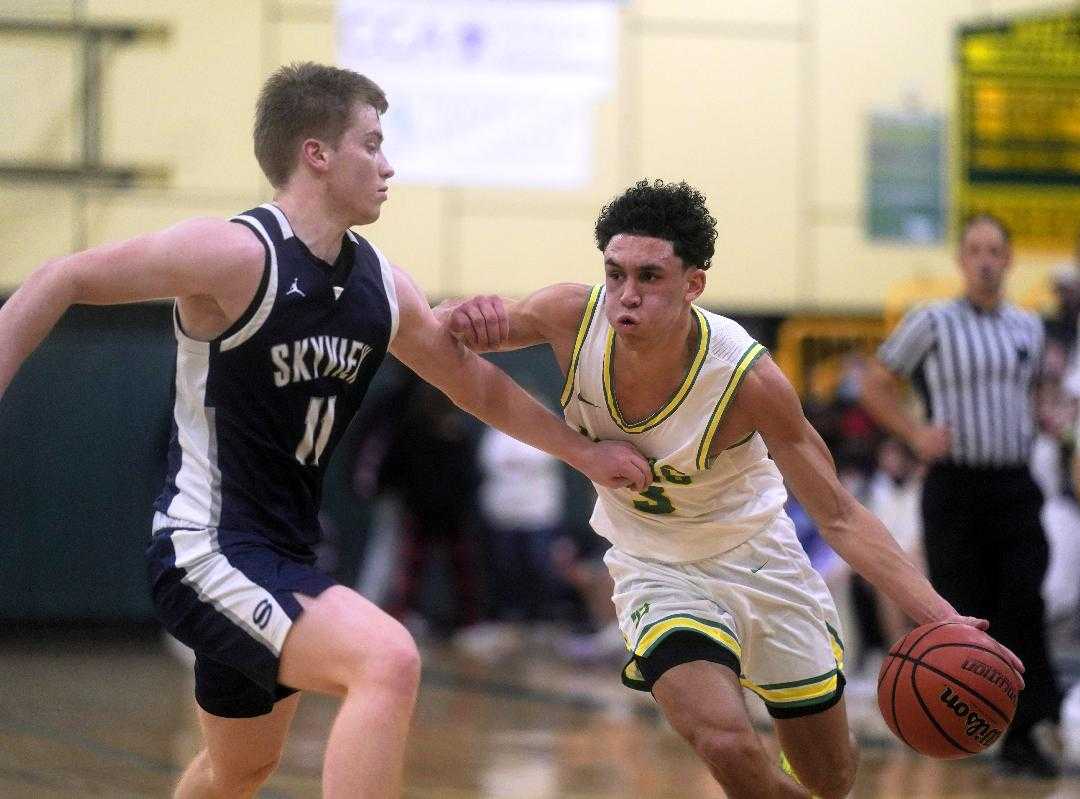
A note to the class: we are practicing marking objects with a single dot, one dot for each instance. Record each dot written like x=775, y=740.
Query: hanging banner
x=906, y=172
x=486, y=92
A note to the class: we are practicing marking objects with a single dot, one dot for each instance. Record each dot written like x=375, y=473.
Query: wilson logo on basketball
x=977, y=728
x=945, y=691
x=991, y=675
x=262, y=614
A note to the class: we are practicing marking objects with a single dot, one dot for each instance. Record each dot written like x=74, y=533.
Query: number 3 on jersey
x=317, y=427
x=658, y=501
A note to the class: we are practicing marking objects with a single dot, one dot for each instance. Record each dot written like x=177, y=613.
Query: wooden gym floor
x=93, y=714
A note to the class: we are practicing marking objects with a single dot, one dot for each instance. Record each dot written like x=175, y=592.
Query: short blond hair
x=306, y=100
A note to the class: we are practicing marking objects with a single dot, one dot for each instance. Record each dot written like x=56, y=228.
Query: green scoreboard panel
x=1018, y=127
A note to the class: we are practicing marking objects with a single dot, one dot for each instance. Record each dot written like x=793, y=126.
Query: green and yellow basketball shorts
x=758, y=608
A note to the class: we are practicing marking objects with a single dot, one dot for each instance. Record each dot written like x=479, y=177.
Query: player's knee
x=725, y=752
x=241, y=781
x=391, y=664
x=835, y=785
x=252, y=779
x=833, y=777
x=401, y=665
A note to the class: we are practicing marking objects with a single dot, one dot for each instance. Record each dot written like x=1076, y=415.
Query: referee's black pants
x=987, y=555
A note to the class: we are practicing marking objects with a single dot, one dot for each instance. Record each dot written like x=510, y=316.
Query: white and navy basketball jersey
x=259, y=409
x=697, y=506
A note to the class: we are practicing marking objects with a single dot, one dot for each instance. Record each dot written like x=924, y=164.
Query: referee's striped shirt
x=975, y=370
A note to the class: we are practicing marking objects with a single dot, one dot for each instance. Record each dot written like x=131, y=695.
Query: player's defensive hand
x=481, y=323
x=984, y=625
x=617, y=464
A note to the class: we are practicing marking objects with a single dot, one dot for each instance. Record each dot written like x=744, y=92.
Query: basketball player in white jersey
x=712, y=589
x=282, y=315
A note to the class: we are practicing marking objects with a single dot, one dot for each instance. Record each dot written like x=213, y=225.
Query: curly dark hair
x=675, y=212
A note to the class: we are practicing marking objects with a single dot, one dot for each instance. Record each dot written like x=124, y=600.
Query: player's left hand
x=616, y=464
x=481, y=323
x=984, y=625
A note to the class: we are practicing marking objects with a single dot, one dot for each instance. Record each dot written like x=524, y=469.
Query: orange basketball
x=945, y=691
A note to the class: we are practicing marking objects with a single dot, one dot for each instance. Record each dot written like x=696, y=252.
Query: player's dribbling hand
x=1006, y=653
x=617, y=464
x=480, y=323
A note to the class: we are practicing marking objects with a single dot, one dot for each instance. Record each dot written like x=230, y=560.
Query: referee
x=974, y=360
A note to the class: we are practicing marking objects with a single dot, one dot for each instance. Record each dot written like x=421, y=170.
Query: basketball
x=945, y=691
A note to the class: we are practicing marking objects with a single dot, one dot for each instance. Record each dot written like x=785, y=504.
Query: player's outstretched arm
x=489, y=323
x=478, y=387
x=771, y=406
x=208, y=258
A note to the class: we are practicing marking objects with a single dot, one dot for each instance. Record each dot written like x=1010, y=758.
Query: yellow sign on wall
x=1018, y=127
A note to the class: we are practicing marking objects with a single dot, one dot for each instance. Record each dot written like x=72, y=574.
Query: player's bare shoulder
x=419, y=332
x=412, y=303
x=762, y=402
x=220, y=250
x=235, y=248
x=766, y=401
x=225, y=262
x=210, y=242
x=405, y=286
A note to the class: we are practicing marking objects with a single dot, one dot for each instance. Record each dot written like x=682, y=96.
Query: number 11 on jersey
x=317, y=427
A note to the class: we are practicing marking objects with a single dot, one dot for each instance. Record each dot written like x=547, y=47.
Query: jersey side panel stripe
x=198, y=481
x=267, y=304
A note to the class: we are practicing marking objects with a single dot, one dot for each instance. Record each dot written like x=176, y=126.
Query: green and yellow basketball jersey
x=697, y=505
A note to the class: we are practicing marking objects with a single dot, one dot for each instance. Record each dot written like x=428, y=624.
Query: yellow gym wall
x=761, y=103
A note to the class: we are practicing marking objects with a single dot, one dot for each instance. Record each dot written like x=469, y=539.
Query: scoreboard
x=1018, y=127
